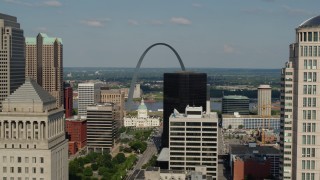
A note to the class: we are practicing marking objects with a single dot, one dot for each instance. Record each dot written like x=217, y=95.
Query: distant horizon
x=238, y=34
x=173, y=67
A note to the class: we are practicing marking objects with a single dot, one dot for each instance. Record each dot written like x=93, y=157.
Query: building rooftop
x=312, y=22
x=31, y=41
x=264, y=86
x=237, y=149
x=249, y=116
x=30, y=91
x=164, y=155
x=235, y=97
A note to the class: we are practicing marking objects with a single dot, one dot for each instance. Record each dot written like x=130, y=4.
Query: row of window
x=308, y=36
x=309, y=114
x=308, y=152
x=19, y=170
x=308, y=139
x=309, y=89
x=308, y=176
x=309, y=127
x=310, y=64
x=310, y=77
x=309, y=102
x=19, y=159
x=310, y=51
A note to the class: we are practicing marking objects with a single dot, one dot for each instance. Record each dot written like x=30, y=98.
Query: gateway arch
x=136, y=71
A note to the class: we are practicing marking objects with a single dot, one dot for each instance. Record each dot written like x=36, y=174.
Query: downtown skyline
x=246, y=34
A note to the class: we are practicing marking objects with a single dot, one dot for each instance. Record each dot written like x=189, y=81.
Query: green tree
x=102, y=170
x=87, y=171
x=120, y=158
x=94, y=166
x=229, y=127
x=240, y=126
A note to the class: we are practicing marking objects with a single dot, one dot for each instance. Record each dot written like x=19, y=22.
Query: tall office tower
x=102, y=128
x=32, y=138
x=11, y=56
x=264, y=100
x=44, y=59
x=68, y=100
x=232, y=104
x=193, y=140
x=299, y=138
x=88, y=93
x=181, y=89
x=115, y=96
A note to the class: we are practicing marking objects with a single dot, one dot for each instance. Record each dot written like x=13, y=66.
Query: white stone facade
x=32, y=136
x=142, y=120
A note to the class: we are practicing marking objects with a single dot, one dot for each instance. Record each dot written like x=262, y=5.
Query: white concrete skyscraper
x=300, y=107
x=32, y=136
x=89, y=94
x=12, y=61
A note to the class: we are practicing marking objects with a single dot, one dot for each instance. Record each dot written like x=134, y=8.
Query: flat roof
x=250, y=116
x=164, y=155
x=237, y=149
x=235, y=97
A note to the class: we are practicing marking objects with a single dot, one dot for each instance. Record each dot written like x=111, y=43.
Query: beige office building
x=300, y=102
x=44, y=58
x=115, y=96
x=12, y=61
x=32, y=136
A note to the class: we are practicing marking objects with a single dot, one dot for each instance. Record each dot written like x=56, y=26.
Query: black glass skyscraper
x=179, y=90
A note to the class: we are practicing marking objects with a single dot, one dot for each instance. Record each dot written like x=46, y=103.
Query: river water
x=155, y=106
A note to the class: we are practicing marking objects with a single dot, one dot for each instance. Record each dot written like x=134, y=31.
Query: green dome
x=142, y=106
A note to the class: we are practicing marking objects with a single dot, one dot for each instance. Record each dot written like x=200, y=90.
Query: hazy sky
x=208, y=33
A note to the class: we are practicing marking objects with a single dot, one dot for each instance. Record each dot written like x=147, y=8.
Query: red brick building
x=251, y=168
x=77, y=134
x=68, y=101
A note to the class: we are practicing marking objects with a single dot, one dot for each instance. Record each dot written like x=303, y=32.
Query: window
x=19, y=169
x=4, y=158
x=11, y=159
x=310, y=51
x=19, y=159
x=26, y=169
x=309, y=36
x=26, y=159
x=34, y=160
x=41, y=160
x=314, y=64
x=314, y=77
x=12, y=169
x=34, y=170
x=4, y=169
x=305, y=76
x=315, y=50
x=305, y=64
x=305, y=51
x=315, y=36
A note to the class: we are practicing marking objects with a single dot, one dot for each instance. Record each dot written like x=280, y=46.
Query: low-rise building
x=251, y=155
x=235, y=121
x=142, y=120
x=76, y=133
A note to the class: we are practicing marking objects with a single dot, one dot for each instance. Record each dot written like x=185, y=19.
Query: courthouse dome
x=312, y=22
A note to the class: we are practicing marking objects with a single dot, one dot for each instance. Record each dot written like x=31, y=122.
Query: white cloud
x=197, y=5
x=228, y=49
x=95, y=22
x=296, y=11
x=156, y=22
x=52, y=3
x=133, y=22
x=19, y=2
x=180, y=20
